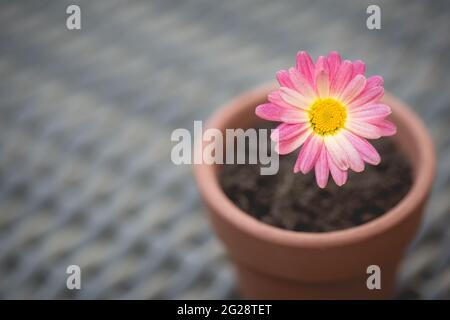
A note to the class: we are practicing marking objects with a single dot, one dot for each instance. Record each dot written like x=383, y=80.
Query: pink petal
x=354, y=88
x=294, y=98
x=359, y=67
x=336, y=152
x=363, y=129
x=275, y=98
x=269, y=111
x=283, y=79
x=323, y=84
x=322, y=169
x=371, y=111
x=368, y=96
x=354, y=159
x=301, y=84
x=321, y=65
x=386, y=127
x=273, y=112
x=308, y=154
x=342, y=78
x=287, y=131
x=293, y=116
x=322, y=77
x=374, y=81
x=306, y=66
x=365, y=149
x=339, y=176
x=334, y=61
x=287, y=146
x=321, y=62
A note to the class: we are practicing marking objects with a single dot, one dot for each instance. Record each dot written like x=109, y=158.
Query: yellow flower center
x=327, y=116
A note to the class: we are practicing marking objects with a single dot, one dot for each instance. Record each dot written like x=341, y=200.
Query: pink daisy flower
x=329, y=109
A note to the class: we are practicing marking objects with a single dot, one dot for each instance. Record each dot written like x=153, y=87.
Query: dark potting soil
x=295, y=202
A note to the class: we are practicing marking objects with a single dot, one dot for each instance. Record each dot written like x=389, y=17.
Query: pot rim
x=215, y=198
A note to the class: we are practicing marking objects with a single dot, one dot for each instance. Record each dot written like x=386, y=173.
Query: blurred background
x=86, y=117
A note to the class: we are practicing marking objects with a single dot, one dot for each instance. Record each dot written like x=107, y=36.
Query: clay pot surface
x=273, y=263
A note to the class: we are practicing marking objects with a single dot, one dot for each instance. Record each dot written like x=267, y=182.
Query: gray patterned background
x=86, y=118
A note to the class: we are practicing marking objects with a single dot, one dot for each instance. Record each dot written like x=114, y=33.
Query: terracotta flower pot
x=273, y=263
